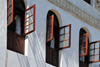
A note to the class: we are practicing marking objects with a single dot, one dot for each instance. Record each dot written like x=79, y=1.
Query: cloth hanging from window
x=18, y=25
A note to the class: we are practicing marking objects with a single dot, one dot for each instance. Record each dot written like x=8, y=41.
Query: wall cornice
x=77, y=12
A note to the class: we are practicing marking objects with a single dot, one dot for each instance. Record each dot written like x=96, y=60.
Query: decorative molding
x=77, y=12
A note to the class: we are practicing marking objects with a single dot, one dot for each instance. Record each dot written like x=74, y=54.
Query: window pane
x=31, y=19
x=84, y=51
x=61, y=44
x=10, y=2
x=84, y=44
x=27, y=21
x=91, y=58
x=92, y=46
x=92, y=52
x=49, y=28
x=49, y=21
x=61, y=37
x=97, y=45
x=62, y=31
x=11, y=9
x=96, y=51
x=10, y=17
x=66, y=36
x=84, y=38
x=26, y=29
x=66, y=43
x=66, y=29
x=97, y=57
x=27, y=13
x=31, y=27
x=31, y=11
x=49, y=35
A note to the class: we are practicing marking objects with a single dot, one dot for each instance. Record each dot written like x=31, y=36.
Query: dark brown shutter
x=15, y=42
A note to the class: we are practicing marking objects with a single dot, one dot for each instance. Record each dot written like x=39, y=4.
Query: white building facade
x=70, y=40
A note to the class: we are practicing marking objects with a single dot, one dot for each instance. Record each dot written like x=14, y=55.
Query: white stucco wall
x=35, y=42
x=3, y=32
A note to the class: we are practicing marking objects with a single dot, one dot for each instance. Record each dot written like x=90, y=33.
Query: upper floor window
x=20, y=22
x=57, y=38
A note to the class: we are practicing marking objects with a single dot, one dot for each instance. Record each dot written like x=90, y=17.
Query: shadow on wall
x=36, y=48
x=24, y=62
x=68, y=61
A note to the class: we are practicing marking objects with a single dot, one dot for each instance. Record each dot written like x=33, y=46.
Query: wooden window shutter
x=50, y=22
x=29, y=22
x=65, y=36
x=83, y=45
x=94, y=51
x=10, y=7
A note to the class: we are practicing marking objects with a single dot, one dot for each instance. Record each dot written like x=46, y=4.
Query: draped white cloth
x=18, y=25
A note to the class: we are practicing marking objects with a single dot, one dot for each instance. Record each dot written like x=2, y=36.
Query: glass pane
x=96, y=51
x=84, y=38
x=84, y=44
x=92, y=46
x=66, y=36
x=82, y=59
x=31, y=27
x=10, y=17
x=49, y=28
x=61, y=37
x=11, y=9
x=97, y=45
x=91, y=58
x=26, y=29
x=61, y=44
x=66, y=29
x=91, y=52
x=27, y=21
x=31, y=19
x=66, y=43
x=62, y=31
x=49, y=21
x=49, y=35
x=31, y=11
x=84, y=51
x=27, y=13
x=96, y=57
x=10, y=2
